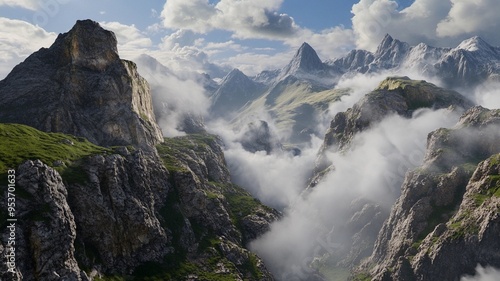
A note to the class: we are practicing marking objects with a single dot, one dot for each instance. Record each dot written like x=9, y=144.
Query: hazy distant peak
x=235, y=76
x=305, y=59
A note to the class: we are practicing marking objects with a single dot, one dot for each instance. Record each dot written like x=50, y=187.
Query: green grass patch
x=110, y=278
x=173, y=149
x=251, y=266
x=19, y=143
x=362, y=277
x=417, y=244
x=495, y=160
x=241, y=203
x=439, y=214
x=463, y=226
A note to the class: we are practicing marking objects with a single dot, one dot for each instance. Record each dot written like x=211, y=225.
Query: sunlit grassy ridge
x=19, y=143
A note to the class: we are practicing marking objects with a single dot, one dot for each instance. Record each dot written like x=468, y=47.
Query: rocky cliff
x=394, y=95
x=80, y=86
x=125, y=212
x=98, y=210
x=446, y=220
x=365, y=217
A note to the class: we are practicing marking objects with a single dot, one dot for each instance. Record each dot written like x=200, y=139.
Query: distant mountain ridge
x=306, y=75
x=471, y=62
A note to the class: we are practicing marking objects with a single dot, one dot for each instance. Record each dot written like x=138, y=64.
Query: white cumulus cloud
x=26, y=4
x=131, y=41
x=18, y=39
x=245, y=18
x=439, y=23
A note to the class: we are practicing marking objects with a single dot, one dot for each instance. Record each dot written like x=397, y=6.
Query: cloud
x=471, y=17
x=26, y=4
x=178, y=39
x=18, y=39
x=374, y=18
x=488, y=94
x=245, y=19
x=439, y=23
x=175, y=95
x=373, y=169
x=276, y=179
x=131, y=41
x=483, y=274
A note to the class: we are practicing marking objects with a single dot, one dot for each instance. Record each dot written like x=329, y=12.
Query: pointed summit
x=474, y=44
x=391, y=52
x=306, y=59
x=389, y=43
x=235, y=76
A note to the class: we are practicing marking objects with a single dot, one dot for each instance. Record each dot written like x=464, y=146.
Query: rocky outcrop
x=44, y=217
x=145, y=210
x=220, y=217
x=120, y=212
x=116, y=200
x=447, y=215
x=394, y=95
x=80, y=86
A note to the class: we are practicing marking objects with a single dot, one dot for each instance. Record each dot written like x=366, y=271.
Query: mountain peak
x=78, y=86
x=305, y=59
x=474, y=44
x=235, y=75
x=89, y=45
x=389, y=43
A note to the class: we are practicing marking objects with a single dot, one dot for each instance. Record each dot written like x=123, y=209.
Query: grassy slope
x=19, y=143
x=284, y=107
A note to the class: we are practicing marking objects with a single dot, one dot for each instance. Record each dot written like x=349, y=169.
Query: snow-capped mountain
x=307, y=66
x=471, y=62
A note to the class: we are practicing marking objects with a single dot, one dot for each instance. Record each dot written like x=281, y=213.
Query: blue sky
x=249, y=34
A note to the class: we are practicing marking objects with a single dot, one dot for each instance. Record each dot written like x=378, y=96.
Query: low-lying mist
x=174, y=97
x=483, y=274
x=373, y=169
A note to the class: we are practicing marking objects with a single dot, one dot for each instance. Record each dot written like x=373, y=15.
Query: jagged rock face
x=308, y=67
x=425, y=236
x=395, y=95
x=207, y=198
x=80, y=86
x=390, y=53
x=470, y=237
x=116, y=207
x=45, y=218
x=354, y=61
x=117, y=214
